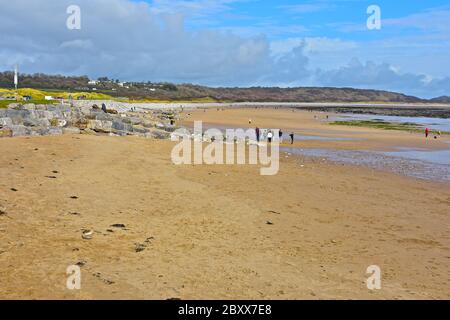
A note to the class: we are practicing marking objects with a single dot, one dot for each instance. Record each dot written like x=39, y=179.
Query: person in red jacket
x=427, y=132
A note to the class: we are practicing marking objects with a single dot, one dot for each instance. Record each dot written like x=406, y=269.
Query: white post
x=16, y=78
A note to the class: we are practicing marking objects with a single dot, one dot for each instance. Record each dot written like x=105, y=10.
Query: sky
x=232, y=43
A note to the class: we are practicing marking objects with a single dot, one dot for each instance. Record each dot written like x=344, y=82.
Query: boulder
x=160, y=134
x=139, y=129
x=148, y=124
x=6, y=133
x=5, y=122
x=29, y=122
x=100, y=126
x=29, y=107
x=118, y=125
x=71, y=130
x=135, y=120
x=55, y=131
x=102, y=116
x=81, y=123
x=17, y=116
x=20, y=130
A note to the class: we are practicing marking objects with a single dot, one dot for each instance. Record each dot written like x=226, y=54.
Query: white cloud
x=384, y=77
x=138, y=41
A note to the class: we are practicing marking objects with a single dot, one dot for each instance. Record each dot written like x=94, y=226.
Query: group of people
x=270, y=135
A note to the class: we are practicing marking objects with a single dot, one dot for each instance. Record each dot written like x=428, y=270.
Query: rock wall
x=41, y=120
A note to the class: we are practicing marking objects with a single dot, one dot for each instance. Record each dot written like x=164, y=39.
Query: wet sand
x=217, y=232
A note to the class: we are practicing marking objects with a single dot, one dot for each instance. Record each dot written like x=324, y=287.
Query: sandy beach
x=162, y=231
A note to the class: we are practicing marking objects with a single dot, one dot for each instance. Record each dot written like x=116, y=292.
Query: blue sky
x=236, y=42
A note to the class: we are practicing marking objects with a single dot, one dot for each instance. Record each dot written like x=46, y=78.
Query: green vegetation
x=380, y=124
x=40, y=94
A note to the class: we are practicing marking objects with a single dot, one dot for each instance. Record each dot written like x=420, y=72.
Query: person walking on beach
x=270, y=136
x=427, y=132
x=292, y=137
x=257, y=134
x=280, y=135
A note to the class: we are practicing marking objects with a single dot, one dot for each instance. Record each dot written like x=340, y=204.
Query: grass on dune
x=39, y=95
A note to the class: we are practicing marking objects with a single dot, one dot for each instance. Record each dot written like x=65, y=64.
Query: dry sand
x=204, y=229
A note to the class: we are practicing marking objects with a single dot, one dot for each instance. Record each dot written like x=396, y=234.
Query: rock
x=6, y=133
x=81, y=123
x=5, y=122
x=29, y=106
x=269, y=223
x=118, y=225
x=148, y=124
x=20, y=130
x=100, y=126
x=31, y=122
x=61, y=123
x=140, y=247
x=55, y=131
x=103, y=116
x=81, y=263
x=71, y=130
x=118, y=125
x=112, y=111
x=87, y=234
x=135, y=120
x=159, y=134
x=140, y=129
x=170, y=128
x=17, y=116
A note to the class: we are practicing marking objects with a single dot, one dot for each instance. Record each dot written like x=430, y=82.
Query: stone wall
x=41, y=120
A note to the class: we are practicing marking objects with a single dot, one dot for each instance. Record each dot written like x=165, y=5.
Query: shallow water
x=429, y=165
x=298, y=137
x=432, y=123
x=438, y=157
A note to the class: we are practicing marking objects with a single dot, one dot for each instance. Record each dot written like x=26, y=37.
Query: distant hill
x=167, y=91
x=443, y=99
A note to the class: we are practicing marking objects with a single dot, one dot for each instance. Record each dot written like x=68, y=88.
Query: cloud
x=133, y=40
x=384, y=77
